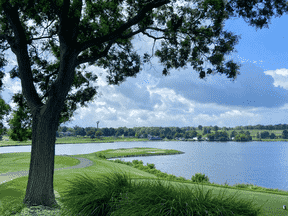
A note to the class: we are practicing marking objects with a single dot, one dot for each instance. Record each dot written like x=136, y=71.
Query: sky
x=181, y=99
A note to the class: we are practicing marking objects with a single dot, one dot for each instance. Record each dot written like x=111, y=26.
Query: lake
x=263, y=164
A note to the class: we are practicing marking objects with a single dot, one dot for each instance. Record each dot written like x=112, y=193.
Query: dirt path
x=4, y=177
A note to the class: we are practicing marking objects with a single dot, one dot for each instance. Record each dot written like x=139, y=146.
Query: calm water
x=263, y=164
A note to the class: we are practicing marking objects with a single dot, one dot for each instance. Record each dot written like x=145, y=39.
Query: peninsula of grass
x=106, y=189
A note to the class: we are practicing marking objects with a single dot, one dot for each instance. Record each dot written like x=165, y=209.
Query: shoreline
x=2, y=142
x=94, y=142
x=145, y=155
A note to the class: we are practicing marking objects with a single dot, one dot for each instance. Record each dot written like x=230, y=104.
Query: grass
x=102, y=190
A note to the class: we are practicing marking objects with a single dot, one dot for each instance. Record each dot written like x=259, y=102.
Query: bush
x=101, y=156
x=163, y=175
x=151, y=166
x=200, y=178
x=181, y=178
x=171, y=177
x=137, y=162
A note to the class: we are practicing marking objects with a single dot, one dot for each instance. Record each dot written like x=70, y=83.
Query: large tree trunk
x=39, y=189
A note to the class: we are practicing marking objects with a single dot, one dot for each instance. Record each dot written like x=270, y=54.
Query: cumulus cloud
x=182, y=98
x=280, y=77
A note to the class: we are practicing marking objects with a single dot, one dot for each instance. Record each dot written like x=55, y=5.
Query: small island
x=137, y=152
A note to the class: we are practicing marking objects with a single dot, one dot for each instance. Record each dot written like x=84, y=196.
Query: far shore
x=67, y=140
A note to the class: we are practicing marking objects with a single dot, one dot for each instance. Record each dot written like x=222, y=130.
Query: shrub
x=200, y=178
x=101, y=156
x=171, y=177
x=137, y=162
x=138, y=166
x=118, y=161
x=181, y=178
x=153, y=171
x=151, y=166
x=162, y=175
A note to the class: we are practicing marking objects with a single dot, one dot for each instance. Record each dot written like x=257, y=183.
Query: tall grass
x=115, y=194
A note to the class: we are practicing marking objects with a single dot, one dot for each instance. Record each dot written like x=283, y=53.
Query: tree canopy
x=173, y=54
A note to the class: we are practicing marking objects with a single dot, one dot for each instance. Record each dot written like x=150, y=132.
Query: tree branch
x=82, y=60
x=19, y=46
x=118, y=32
x=39, y=38
x=153, y=36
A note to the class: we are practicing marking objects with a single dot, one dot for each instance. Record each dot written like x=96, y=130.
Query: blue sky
x=258, y=95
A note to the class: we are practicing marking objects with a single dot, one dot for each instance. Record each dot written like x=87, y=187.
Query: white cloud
x=280, y=77
x=146, y=101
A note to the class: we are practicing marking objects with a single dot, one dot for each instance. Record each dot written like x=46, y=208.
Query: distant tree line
x=176, y=132
x=219, y=134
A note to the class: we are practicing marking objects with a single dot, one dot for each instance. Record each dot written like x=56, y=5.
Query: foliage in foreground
x=115, y=194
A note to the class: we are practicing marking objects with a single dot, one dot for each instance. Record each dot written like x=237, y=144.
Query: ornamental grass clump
x=116, y=194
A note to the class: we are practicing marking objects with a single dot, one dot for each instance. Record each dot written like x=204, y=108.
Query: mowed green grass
x=12, y=193
x=71, y=140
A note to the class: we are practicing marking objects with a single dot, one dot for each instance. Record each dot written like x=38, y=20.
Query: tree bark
x=39, y=189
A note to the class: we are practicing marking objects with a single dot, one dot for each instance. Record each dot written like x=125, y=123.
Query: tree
x=131, y=132
x=106, y=131
x=118, y=133
x=285, y=134
x=200, y=127
x=211, y=136
x=112, y=131
x=169, y=137
x=98, y=134
x=265, y=135
x=4, y=110
x=193, y=134
x=233, y=134
x=19, y=132
x=94, y=42
x=272, y=136
x=177, y=135
x=215, y=128
x=206, y=130
x=80, y=131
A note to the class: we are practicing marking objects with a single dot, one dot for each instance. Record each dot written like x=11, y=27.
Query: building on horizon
x=154, y=138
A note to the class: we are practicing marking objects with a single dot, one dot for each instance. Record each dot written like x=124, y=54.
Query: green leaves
x=20, y=131
x=181, y=30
